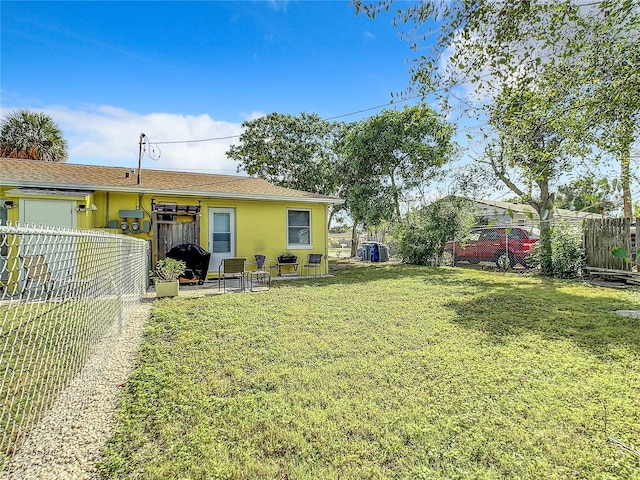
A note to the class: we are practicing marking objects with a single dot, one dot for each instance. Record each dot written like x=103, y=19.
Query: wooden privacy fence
x=174, y=225
x=601, y=236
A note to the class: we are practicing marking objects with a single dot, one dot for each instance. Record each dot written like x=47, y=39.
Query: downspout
x=106, y=212
x=326, y=236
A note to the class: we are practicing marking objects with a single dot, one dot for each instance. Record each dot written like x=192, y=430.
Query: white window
x=298, y=228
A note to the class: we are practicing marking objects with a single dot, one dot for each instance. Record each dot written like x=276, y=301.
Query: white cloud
x=279, y=5
x=253, y=115
x=109, y=135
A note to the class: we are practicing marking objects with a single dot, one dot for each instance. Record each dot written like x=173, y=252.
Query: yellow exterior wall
x=84, y=219
x=261, y=226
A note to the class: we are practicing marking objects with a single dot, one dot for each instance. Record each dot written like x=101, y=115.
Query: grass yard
x=43, y=345
x=386, y=371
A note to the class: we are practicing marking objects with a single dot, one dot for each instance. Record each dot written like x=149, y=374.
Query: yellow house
x=229, y=216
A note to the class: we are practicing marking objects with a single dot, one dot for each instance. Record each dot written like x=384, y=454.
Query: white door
x=222, y=236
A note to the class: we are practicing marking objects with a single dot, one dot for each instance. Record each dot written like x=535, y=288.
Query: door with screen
x=221, y=235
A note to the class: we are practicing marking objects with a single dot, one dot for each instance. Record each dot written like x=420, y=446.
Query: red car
x=492, y=245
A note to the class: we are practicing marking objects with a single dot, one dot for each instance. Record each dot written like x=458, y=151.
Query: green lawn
x=43, y=345
x=386, y=371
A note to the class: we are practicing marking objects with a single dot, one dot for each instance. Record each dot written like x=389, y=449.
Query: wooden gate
x=174, y=225
x=601, y=236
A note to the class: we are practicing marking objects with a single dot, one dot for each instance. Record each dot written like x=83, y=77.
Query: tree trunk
x=332, y=213
x=623, y=146
x=625, y=180
x=396, y=197
x=546, y=215
x=354, y=240
x=627, y=205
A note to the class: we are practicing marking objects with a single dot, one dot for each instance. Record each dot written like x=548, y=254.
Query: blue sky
x=108, y=71
x=182, y=71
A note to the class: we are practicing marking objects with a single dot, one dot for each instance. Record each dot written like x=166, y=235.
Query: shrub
x=169, y=269
x=423, y=233
x=567, y=253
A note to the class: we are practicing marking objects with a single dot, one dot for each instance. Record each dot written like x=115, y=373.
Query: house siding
x=260, y=223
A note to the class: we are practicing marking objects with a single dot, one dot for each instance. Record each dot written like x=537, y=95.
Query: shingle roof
x=528, y=209
x=34, y=173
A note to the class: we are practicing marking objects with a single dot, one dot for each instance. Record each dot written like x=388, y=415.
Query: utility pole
x=142, y=136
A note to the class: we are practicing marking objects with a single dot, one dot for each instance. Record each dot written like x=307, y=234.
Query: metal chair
x=231, y=268
x=262, y=274
x=38, y=275
x=314, y=260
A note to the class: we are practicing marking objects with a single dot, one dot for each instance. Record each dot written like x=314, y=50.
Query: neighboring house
x=504, y=213
x=226, y=215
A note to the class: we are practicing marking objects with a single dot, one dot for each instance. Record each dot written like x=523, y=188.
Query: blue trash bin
x=365, y=249
x=375, y=253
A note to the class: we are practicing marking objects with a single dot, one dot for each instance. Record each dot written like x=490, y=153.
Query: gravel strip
x=66, y=443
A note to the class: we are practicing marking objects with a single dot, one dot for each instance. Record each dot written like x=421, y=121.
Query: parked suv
x=492, y=245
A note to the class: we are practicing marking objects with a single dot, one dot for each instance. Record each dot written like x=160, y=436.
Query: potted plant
x=287, y=257
x=166, y=275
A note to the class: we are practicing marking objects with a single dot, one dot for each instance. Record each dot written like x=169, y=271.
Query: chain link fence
x=64, y=295
x=505, y=246
x=577, y=248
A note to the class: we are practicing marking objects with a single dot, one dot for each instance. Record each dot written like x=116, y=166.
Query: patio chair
x=314, y=260
x=38, y=275
x=231, y=268
x=261, y=276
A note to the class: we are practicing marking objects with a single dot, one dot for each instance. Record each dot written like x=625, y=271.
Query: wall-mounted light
x=84, y=208
x=135, y=226
x=9, y=204
x=124, y=225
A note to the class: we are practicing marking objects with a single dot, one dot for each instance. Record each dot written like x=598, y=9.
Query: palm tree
x=33, y=136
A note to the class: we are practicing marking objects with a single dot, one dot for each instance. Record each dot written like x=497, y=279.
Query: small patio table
x=287, y=264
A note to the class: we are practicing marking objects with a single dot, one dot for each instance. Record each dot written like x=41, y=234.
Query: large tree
x=291, y=151
x=33, y=136
x=604, y=74
x=531, y=150
x=389, y=155
x=591, y=46
x=370, y=164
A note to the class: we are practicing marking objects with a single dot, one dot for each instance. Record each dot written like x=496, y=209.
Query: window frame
x=298, y=246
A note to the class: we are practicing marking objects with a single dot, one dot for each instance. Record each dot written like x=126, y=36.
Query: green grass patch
x=386, y=371
x=43, y=346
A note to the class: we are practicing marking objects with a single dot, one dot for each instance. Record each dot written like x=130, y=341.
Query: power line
x=197, y=141
x=374, y=108
x=393, y=102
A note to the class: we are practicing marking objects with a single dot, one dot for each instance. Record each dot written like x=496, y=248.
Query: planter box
x=287, y=259
x=167, y=289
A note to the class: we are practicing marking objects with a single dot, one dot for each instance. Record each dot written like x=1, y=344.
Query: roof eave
x=186, y=193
